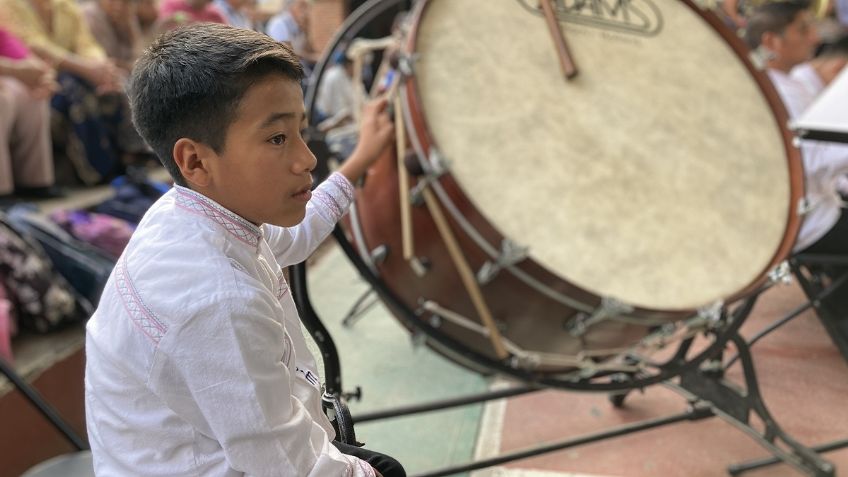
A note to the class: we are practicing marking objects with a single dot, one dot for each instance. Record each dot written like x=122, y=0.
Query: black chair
x=820, y=276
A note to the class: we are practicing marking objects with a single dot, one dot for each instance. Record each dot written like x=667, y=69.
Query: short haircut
x=190, y=81
x=772, y=17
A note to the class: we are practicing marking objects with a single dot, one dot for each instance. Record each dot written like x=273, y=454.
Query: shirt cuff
x=333, y=197
x=360, y=468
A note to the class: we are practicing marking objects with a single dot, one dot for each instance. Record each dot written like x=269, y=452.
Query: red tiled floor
x=802, y=376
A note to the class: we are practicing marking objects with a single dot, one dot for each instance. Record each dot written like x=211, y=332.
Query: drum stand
x=706, y=391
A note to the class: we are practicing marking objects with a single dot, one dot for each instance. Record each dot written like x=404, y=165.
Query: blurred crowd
x=64, y=115
x=65, y=119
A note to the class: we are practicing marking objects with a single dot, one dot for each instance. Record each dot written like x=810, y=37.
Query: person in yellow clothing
x=94, y=131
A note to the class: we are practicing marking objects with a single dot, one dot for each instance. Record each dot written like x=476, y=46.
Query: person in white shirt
x=235, y=12
x=819, y=72
x=783, y=34
x=195, y=359
x=336, y=102
x=290, y=26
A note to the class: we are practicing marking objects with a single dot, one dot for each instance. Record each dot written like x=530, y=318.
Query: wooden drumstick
x=403, y=184
x=569, y=69
x=465, y=273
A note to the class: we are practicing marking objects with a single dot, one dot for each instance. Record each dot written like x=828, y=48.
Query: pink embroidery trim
x=335, y=197
x=366, y=468
x=195, y=203
x=328, y=205
x=140, y=314
x=342, y=183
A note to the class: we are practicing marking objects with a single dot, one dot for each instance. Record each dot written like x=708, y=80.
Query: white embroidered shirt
x=196, y=363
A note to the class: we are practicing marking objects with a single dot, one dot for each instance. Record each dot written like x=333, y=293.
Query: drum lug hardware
x=524, y=360
x=577, y=325
x=406, y=64
x=416, y=194
x=420, y=266
x=511, y=253
x=781, y=274
x=439, y=165
x=710, y=315
x=804, y=206
x=418, y=338
x=610, y=308
x=379, y=254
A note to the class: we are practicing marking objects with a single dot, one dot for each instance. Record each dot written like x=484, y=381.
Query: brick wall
x=325, y=18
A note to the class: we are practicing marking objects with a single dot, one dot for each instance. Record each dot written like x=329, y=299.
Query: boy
x=196, y=364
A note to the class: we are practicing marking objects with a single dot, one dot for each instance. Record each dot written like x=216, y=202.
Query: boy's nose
x=307, y=160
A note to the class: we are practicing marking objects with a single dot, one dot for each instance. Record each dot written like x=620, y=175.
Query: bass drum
x=603, y=216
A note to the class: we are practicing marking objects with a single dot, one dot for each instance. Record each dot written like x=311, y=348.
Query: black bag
x=84, y=266
x=42, y=298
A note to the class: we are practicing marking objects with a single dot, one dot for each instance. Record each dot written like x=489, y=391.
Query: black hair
x=772, y=17
x=190, y=81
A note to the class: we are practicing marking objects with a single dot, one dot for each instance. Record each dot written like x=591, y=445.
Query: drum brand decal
x=637, y=17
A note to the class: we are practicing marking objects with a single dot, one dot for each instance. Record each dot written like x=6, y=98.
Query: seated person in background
x=26, y=157
x=236, y=12
x=114, y=25
x=782, y=33
x=147, y=14
x=195, y=354
x=92, y=128
x=817, y=73
x=291, y=26
x=336, y=103
x=174, y=13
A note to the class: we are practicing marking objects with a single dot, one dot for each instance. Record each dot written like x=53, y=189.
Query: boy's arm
x=329, y=203
x=332, y=198
x=227, y=372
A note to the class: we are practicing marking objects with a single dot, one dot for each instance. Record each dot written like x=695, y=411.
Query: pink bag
x=8, y=326
x=105, y=232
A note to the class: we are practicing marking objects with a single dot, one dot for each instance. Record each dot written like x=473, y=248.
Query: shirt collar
x=234, y=224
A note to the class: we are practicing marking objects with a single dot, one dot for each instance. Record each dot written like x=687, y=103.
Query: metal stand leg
x=708, y=393
x=43, y=407
x=735, y=405
x=360, y=306
x=816, y=293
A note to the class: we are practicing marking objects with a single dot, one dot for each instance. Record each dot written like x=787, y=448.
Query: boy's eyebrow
x=275, y=117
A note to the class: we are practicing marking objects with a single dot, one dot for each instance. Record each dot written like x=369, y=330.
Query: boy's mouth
x=304, y=193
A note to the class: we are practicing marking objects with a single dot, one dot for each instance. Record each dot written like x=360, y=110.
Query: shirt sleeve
x=228, y=372
x=329, y=203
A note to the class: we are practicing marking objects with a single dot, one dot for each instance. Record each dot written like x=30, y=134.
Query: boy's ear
x=192, y=159
x=771, y=41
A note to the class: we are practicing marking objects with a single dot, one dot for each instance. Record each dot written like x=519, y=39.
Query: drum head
x=658, y=176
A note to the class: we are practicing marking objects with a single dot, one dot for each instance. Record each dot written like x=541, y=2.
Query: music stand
x=827, y=118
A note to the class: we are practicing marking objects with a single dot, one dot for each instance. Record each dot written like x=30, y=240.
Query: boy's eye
x=278, y=140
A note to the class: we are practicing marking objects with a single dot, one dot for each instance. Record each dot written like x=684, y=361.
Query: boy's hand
x=376, y=132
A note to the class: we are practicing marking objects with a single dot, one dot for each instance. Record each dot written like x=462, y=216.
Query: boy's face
x=798, y=41
x=264, y=170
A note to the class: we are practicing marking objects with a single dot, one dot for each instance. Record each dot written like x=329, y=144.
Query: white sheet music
x=829, y=112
